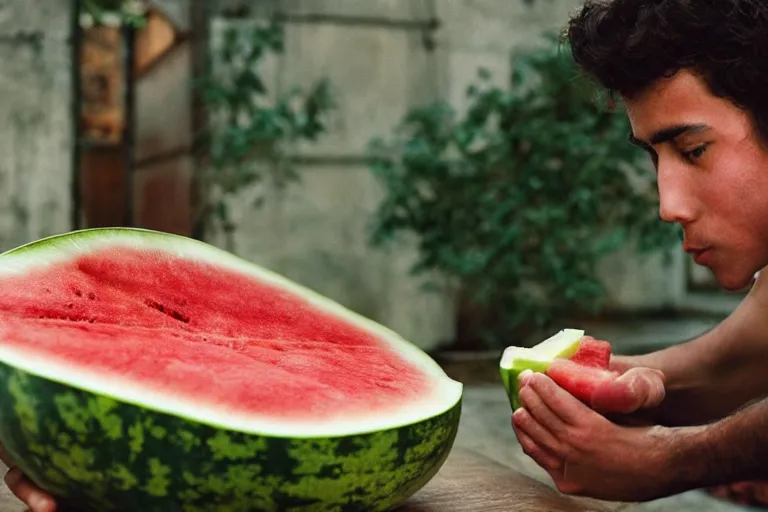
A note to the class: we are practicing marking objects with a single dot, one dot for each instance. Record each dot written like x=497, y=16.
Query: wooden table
x=467, y=482
x=470, y=482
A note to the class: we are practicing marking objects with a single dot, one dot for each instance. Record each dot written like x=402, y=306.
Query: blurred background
x=436, y=165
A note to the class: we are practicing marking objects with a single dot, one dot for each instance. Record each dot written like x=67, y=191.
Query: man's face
x=712, y=174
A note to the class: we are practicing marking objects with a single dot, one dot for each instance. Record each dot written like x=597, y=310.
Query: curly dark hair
x=627, y=45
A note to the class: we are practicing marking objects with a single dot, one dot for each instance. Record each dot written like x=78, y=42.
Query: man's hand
x=32, y=496
x=584, y=452
x=631, y=398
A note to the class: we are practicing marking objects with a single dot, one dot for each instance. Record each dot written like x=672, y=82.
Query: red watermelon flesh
x=156, y=321
x=578, y=379
x=593, y=352
x=586, y=370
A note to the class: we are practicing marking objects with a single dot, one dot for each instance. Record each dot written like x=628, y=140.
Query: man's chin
x=733, y=281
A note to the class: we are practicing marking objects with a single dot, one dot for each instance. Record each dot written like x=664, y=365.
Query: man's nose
x=676, y=200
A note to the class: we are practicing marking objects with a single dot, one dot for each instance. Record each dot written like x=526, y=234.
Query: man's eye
x=695, y=153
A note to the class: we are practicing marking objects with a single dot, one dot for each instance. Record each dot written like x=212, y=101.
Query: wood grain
x=470, y=482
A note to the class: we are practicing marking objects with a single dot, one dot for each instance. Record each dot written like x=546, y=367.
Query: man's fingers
x=564, y=405
x=524, y=420
x=538, y=453
x=32, y=496
x=36, y=499
x=638, y=388
x=534, y=405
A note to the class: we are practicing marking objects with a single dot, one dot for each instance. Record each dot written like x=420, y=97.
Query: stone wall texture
x=35, y=120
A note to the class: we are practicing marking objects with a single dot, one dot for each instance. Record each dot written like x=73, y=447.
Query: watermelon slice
x=576, y=362
x=147, y=371
x=579, y=379
x=515, y=360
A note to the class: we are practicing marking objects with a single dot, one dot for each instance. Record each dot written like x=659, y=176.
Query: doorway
x=134, y=99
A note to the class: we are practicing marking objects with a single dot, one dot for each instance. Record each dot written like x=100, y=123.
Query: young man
x=693, y=77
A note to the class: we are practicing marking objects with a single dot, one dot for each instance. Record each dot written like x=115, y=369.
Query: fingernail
x=524, y=376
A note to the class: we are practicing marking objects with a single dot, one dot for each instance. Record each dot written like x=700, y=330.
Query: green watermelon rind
x=510, y=376
x=95, y=453
x=116, y=450
x=446, y=392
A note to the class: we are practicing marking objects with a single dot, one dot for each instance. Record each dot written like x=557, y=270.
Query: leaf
x=615, y=239
x=484, y=74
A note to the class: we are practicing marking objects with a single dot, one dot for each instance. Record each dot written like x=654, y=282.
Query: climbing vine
x=252, y=129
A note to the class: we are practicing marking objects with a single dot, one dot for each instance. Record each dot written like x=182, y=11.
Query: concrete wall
x=316, y=231
x=35, y=120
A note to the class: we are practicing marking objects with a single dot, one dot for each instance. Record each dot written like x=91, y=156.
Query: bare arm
x=719, y=372
x=733, y=449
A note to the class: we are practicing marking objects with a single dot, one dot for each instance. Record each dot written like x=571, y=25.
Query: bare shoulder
x=749, y=321
x=757, y=297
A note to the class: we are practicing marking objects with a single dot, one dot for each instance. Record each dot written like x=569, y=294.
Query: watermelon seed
x=92, y=296
x=166, y=311
x=69, y=305
x=78, y=292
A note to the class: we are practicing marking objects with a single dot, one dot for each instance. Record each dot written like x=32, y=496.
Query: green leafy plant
x=129, y=13
x=519, y=198
x=252, y=129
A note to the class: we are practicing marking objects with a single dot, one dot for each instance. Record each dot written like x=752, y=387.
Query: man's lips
x=692, y=247
x=701, y=255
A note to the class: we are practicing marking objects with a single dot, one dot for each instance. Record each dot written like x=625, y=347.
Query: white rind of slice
x=515, y=360
x=442, y=392
x=555, y=346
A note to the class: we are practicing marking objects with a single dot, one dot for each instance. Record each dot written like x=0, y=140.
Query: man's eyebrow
x=667, y=134
x=637, y=142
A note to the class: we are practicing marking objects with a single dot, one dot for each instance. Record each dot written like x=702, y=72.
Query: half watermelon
x=147, y=371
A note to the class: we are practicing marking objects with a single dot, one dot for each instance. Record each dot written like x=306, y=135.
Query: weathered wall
x=35, y=120
x=486, y=32
x=316, y=231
